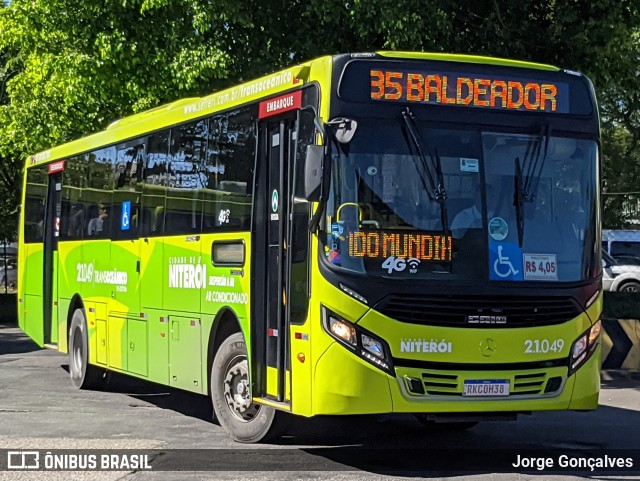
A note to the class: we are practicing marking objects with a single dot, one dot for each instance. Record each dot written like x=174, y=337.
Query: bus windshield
x=384, y=217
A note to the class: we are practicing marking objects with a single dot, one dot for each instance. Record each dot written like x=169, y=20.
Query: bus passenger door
x=270, y=344
x=50, y=254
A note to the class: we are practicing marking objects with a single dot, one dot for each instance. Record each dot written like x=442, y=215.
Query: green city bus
x=386, y=232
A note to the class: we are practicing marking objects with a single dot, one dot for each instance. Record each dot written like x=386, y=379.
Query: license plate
x=496, y=387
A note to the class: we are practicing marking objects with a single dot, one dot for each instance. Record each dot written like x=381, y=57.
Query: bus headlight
x=363, y=343
x=342, y=331
x=373, y=346
x=584, y=347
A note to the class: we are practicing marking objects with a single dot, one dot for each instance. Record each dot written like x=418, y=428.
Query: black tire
x=630, y=286
x=243, y=420
x=83, y=375
x=445, y=426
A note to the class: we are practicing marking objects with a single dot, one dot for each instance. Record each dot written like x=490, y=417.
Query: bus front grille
x=438, y=384
x=479, y=311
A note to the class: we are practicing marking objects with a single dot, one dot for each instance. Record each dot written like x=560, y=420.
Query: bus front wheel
x=244, y=420
x=83, y=375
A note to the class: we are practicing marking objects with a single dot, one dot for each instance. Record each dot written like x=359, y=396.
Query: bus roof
x=478, y=59
x=183, y=110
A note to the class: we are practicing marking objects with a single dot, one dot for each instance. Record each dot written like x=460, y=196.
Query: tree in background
x=73, y=66
x=9, y=171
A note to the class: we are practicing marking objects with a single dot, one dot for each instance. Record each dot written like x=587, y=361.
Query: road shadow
x=14, y=341
x=163, y=397
x=399, y=445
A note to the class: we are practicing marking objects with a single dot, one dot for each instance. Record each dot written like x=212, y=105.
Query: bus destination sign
x=460, y=89
x=424, y=246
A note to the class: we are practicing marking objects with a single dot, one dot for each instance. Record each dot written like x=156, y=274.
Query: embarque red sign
x=281, y=104
x=443, y=88
x=56, y=166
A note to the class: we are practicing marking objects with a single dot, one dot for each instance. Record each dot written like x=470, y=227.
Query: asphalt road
x=40, y=410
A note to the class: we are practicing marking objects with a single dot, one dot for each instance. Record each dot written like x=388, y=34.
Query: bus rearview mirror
x=313, y=172
x=345, y=129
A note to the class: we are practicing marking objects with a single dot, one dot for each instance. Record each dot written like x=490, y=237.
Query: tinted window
x=185, y=178
x=127, y=177
x=36, y=192
x=99, y=192
x=155, y=187
x=228, y=171
x=73, y=217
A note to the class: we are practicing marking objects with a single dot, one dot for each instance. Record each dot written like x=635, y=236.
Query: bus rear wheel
x=244, y=420
x=83, y=375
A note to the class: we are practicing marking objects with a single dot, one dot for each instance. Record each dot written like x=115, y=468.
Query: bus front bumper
x=346, y=384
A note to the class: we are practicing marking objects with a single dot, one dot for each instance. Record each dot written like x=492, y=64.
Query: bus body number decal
x=543, y=346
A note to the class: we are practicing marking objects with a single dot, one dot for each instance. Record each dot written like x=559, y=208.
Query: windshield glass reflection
x=382, y=220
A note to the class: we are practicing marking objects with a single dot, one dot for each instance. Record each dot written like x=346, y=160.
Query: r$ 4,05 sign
x=540, y=267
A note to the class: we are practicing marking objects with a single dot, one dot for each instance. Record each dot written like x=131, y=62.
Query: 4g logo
x=223, y=217
x=399, y=264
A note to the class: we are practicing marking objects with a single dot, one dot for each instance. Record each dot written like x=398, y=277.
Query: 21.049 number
x=538, y=346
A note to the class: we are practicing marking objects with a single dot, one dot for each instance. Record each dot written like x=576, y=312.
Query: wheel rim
x=77, y=353
x=630, y=288
x=236, y=390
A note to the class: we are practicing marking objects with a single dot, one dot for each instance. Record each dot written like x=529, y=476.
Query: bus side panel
x=63, y=324
x=185, y=355
x=152, y=266
x=159, y=332
x=33, y=319
x=116, y=342
x=228, y=287
x=184, y=274
x=70, y=273
x=33, y=280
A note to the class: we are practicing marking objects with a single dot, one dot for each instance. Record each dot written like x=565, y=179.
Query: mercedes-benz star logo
x=487, y=347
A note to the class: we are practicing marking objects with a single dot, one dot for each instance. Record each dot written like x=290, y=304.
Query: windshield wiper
x=525, y=189
x=518, y=201
x=534, y=169
x=435, y=190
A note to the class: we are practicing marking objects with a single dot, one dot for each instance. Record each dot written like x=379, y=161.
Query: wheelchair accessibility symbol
x=125, y=218
x=506, y=262
x=503, y=266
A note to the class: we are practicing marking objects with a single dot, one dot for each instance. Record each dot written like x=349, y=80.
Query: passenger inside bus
x=96, y=224
x=76, y=222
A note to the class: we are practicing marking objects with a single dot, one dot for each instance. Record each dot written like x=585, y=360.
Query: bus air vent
x=479, y=311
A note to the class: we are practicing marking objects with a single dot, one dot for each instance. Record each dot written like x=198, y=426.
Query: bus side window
x=154, y=191
x=37, y=180
x=127, y=176
x=99, y=192
x=228, y=172
x=73, y=220
x=183, y=212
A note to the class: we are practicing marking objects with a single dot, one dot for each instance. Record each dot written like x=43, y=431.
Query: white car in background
x=619, y=277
